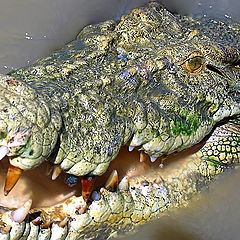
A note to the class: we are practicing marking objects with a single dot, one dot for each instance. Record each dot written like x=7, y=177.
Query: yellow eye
x=194, y=64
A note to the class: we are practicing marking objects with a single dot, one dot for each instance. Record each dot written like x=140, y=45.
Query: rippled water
x=30, y=29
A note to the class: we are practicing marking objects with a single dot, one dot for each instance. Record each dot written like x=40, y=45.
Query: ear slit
x=214, y=69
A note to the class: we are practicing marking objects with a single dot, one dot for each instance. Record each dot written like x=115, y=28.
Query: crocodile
x=165, y=85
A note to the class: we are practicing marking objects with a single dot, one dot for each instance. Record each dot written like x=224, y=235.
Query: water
x=30, y=29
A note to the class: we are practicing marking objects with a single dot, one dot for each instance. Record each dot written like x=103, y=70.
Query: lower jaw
x=151, y=191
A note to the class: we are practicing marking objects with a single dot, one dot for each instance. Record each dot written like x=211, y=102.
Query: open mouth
x=77, y=107
x=47, y=186
x=45, y=203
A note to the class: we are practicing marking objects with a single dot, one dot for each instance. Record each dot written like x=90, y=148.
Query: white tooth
x=161, y=165
x=3, y=151
x=95, y=196
x=20, y=214
x=130, y=148
x=153, y=159
x=56, y=172
x=124, y=184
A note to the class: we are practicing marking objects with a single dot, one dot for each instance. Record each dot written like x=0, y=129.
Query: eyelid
x=193, y=64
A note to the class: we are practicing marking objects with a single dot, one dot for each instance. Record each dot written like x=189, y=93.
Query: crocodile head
x=152, y=81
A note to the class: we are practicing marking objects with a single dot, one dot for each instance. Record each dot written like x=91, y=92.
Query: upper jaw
x=27, y=131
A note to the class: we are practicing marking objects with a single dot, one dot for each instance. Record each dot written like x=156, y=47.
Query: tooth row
x=58, y=227
x=143, y=156
x=14, y=174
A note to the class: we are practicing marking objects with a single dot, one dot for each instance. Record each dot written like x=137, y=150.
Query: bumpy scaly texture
x=146, y=79
x=135, y=203
x=158, y=80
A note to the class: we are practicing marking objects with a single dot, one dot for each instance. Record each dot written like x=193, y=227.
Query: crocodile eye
x=194, y=64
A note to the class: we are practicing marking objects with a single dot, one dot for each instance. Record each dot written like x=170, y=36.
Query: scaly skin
x=152, y=79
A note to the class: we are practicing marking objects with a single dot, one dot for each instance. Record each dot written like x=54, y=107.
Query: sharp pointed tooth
x=20, y=214
x=3, y=151
x=153, y=159
x=71, y=180
x=143, y=156
x=161, y=165
x=130, y=148
x=64, y=222
x=56, y=172
x=13, y=175
x=112, y=181
x=87, y=186
x=124, y=184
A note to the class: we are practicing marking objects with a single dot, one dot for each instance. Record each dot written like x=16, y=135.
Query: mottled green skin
x=125, y=82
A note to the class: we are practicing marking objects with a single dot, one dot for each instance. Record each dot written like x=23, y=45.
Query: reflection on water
x=30, y=29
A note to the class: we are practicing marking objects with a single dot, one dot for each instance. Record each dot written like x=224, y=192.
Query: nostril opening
x=214, y=69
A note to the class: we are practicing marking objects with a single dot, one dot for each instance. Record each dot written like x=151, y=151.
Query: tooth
x=20, y=214
x=87, y=186
x=112, y=181
x=158, y=180
x=64, y=222
x=37, y=221
x=56, y=172
x=13, y=175
x=124, y=184
x=130, y=148
x=3, y=151
x=46, y=224
x=143, y=156
x=71, y=180
x=161, y=165
x=5, y=228
x=153, y=159
x=95, y=196
x=80, y=210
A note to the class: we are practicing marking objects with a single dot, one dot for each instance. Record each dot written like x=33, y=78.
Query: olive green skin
x=127, y=81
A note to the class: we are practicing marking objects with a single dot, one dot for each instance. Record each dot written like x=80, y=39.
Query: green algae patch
x=186, y=125
x=213, y=162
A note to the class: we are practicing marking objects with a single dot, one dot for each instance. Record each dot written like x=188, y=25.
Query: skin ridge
x=152, y=79
x=109, y=79
x=141, y=203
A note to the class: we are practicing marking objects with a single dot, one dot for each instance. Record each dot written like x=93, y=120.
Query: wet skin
x=159, y=82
